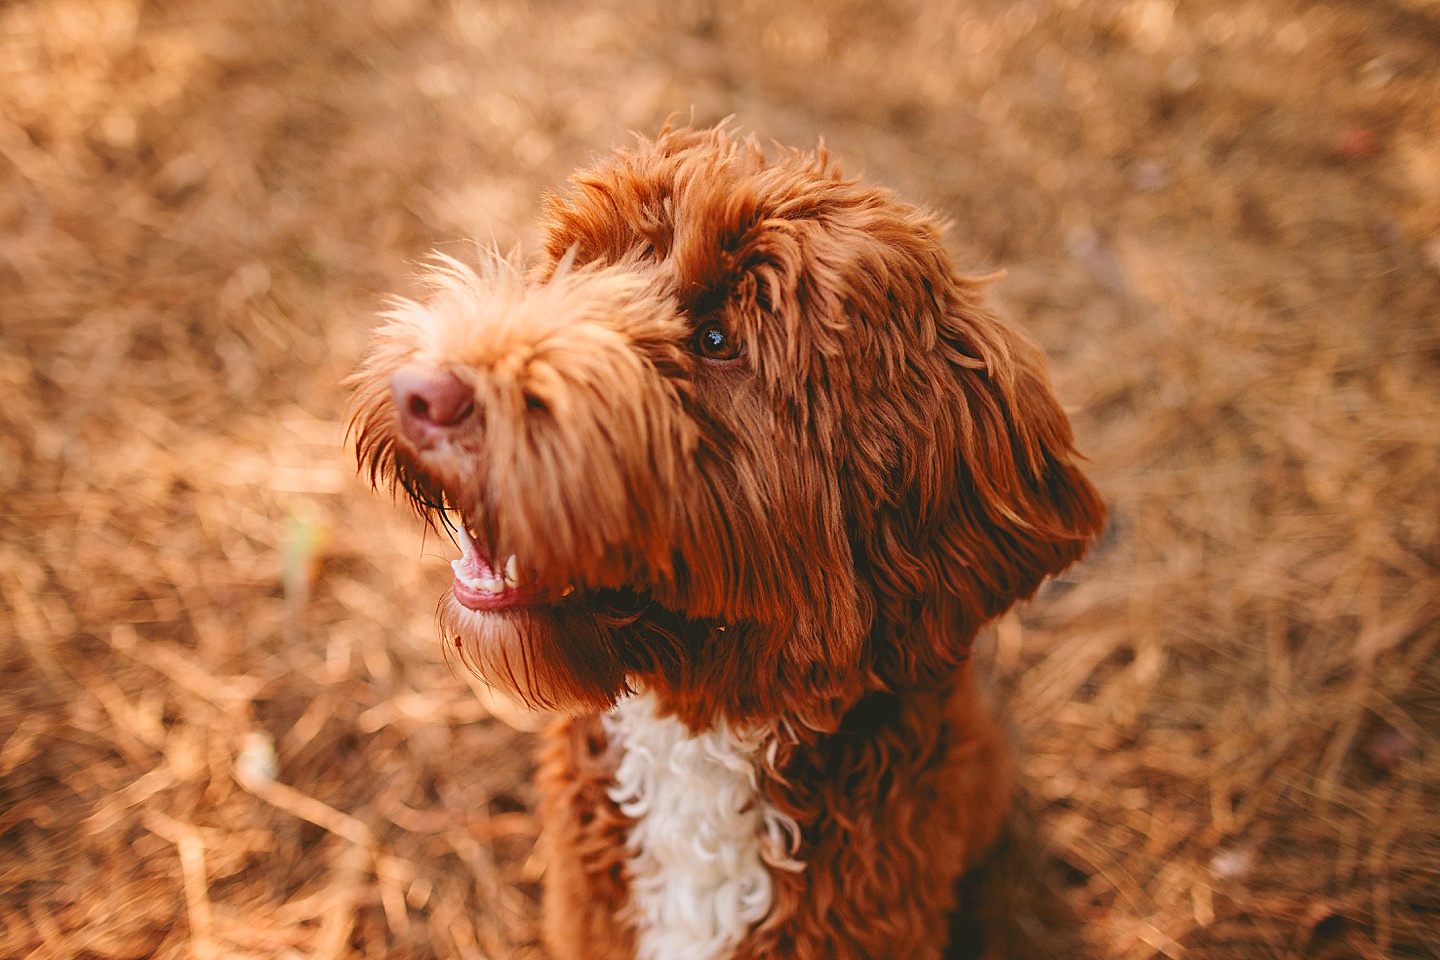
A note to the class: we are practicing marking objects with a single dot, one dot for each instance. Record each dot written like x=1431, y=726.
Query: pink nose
x=431, y=404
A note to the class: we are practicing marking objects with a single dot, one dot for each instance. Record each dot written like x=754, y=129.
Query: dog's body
x=890, y=810
x=761, y=465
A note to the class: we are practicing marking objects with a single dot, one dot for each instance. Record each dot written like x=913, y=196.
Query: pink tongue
x=476, y=567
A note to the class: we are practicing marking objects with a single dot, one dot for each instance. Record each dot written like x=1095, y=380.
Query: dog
x=737, y=469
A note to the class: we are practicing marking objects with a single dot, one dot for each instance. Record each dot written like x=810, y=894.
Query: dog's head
x=742, y=436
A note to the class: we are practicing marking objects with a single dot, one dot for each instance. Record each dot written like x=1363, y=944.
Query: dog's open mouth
x=481, y=586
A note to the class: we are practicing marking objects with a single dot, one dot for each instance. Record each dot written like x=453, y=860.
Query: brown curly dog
x=737, y=469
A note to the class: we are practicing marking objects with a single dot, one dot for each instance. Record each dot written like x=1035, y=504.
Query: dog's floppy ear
x=990, y=501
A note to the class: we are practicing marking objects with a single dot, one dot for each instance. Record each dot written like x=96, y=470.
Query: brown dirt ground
x=1221, y=217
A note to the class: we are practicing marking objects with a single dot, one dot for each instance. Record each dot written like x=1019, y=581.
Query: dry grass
x=1222, y=218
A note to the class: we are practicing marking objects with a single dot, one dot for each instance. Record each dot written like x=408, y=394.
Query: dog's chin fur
x=557, y=657
x=576, y=653
x=764, y=456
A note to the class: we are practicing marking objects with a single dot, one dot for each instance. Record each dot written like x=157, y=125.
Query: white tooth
x=461, y=534
x=512, y=571
x=492, y=586
x=474, y=583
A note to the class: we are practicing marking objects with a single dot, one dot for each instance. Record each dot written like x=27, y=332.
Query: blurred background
x=227, y=728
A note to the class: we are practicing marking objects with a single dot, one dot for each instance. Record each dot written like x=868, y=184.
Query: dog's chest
x=703, y=840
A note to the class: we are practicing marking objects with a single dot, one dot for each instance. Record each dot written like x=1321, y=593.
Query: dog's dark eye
x=714, y=342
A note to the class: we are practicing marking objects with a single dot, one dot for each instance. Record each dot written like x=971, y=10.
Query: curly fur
x=798, y=542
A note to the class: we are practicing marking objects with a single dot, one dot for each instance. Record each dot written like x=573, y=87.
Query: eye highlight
x=714, y=342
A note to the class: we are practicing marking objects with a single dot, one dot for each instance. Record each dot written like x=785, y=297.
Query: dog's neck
x=704, y=839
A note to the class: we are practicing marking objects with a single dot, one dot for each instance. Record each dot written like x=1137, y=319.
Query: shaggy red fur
x=759, y=450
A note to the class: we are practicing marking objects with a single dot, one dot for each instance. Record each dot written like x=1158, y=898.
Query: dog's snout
x=430, y=404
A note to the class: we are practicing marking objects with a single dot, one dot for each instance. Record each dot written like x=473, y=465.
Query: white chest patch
x=702, y=837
